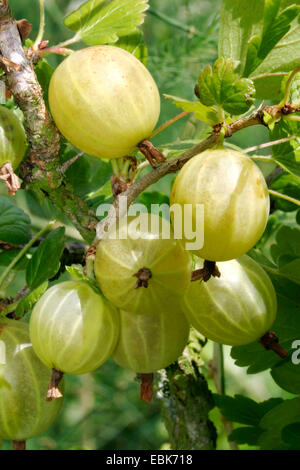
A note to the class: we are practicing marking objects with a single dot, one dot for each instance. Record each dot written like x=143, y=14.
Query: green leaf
x=275, y=28
x=275, y=421
x=291, y=435
x=286, y=184
x=44, y=72
x=294, y=88
x=286, y=326
x=104, y=21
x=244, y=410
x=240, y=20
x=79, y=173
x=76, y=271
x=14, y=223
x=26, y=304
x=285, y=56
x=6, y=257
x=222, y=86
x=135, y=44
x=246, y=435
x=287, y=375
x=201, y=112
x=287, y=246
x=287, y=154
x=44, y=263
x=148, y=198
x=268, y=85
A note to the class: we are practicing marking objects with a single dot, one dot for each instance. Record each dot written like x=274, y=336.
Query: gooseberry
x=235, y=198
x=237, y=308
x=151, y=342
x=24, y=412
x=73, y=329
x=138, y=269
x=104, y=101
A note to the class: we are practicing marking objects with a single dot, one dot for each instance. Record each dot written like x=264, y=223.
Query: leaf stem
x=288, y=87
x=168, y=123
x=115, y=166
x=41, y=31
x=219, y=375
x=68, y=42
x=291, y=118
x=24, y=251
x=262, y=158
x=284, y=196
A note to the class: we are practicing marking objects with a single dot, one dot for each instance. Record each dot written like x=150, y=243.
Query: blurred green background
x=102, y=410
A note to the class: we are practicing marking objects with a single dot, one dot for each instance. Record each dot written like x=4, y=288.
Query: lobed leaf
x=26, y=304
x=291, y=435
x=201, y=112
x=135, y=44
x=284, y=414
x=14, y=223
x=275, y=28
x=244, y=410
x=104, y=21
x=240, y=20
x=222, y=86
x=287, y=154
x=45, y=263
x=287, y=375
x=286, y=184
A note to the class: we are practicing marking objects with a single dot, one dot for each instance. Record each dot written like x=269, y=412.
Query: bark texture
x=186, y=401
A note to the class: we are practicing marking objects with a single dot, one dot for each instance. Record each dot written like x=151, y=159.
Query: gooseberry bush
x=179, y=260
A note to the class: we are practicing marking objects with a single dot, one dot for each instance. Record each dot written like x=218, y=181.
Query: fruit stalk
x=53, y=390
x=270, y=342
x=19, y=445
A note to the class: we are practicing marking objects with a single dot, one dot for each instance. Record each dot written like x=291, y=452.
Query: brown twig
x=174, y=164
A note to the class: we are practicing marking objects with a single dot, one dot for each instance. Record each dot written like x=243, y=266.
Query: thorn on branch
x=10, y=178
x=151, y=153
x=270, y=341
x=146, y=387
x=24, y=28
x=53, y=390
x=9, y=65
x=209, y=269
x=70, y=162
